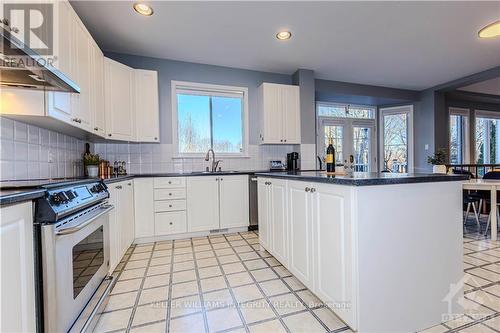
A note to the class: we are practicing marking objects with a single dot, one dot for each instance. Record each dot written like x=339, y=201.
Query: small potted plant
x=91, y=162
x=438, y=161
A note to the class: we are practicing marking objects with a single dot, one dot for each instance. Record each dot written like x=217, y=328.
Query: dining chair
x=471, y=199
x=492, y=175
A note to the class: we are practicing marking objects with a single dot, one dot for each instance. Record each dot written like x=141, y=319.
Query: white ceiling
x=396, y=44
x=491, y=87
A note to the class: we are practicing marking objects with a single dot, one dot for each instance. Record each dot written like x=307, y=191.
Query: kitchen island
x=384, y=251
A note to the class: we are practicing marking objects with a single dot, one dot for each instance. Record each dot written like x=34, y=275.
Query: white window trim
x=454, y=111
x=408, y=109
x=485, y=115
x=205, y=87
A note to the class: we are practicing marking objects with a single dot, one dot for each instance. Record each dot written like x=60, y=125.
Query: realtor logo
x=32, y=24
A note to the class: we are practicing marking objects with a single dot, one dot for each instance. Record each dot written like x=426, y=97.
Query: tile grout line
x=200, y=291
x=170, y=284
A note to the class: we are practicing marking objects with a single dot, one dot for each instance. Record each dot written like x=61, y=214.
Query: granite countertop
x=24, y=190
x=364, y=178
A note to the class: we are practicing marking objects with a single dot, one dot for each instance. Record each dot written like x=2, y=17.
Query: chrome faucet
x=215, y=163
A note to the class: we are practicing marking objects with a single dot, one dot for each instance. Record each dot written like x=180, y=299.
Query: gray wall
x=169, y=70
x=305, y=79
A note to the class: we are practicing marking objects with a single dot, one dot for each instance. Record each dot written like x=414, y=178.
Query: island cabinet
x=273, y=223
x=366, y=250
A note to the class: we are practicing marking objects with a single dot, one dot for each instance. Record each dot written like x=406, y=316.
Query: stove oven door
x=75, y=257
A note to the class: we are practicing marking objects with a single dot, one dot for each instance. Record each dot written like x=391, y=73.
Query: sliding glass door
x=396, y=138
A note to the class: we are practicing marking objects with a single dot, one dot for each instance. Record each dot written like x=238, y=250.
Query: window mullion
x=211, y=124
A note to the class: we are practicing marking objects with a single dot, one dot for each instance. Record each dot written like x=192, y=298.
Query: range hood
x=21, y=67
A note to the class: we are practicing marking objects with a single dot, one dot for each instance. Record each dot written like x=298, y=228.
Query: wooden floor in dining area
x=225, y=283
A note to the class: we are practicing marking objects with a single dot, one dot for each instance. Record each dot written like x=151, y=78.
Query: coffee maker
x=292, y=161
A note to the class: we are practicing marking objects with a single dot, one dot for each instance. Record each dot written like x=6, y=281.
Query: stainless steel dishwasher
x=253, y=206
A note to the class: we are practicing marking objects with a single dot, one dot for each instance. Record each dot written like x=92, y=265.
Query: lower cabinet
x=121, y=220
x=273, y=222
x=167, y=223
x=17, y=267
x=144, y=207
x=217, y=202
x=308, y=228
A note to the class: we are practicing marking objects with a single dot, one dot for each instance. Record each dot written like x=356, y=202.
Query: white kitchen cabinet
x=144, y=207
x=202, y=203
x=300, y=219
x=279, y=106
x=121, y=220
x=332, y=253
x=119, y=100
x=233, y=201
x=17, y=267
x=279, y=220
x=217, y=202
x=97, y=101
x=147, y=114
x=264, y=208
x=169, y=223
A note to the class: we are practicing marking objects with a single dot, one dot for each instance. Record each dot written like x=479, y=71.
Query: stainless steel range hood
x=21, y=67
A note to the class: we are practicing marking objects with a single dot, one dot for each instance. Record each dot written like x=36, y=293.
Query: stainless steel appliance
x=292, y=161
x=72, y=223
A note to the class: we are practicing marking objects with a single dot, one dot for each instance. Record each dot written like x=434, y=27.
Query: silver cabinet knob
x=169, y=182
x=170, y=194
x=313, y=190
x=170, y=223
x=156, y=138
x=307, y=189
x=169, y=206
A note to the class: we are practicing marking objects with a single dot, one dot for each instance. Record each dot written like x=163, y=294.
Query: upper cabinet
x=119, y=92
x=279, y=113
x=115, y=102
x=146, y=106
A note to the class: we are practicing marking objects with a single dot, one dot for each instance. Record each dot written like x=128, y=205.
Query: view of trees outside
x=396, y=142
x=206, y=122
x=361, y=149
x=486, y=141
x=337, y=134
x=345, y=111
x=456, y=139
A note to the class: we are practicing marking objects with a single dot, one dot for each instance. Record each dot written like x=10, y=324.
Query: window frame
x=208, y=89
x=466, y=137
x=484, y=114
x=393, y=110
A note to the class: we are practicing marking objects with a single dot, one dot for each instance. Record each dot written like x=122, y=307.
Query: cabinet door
x=98, y=117
x=146, y=106
x=291, y=114
x=169, y=223
x=17, y=266
x=278, y=214
x=144, y=207
x=202, y=203
x=264, y=206
x=299, y=203
x=234, y=201
x=272, y=113
x=119, y=108
x=81, y=103
x=127, y=214
x=333, y=262
x=115, y=232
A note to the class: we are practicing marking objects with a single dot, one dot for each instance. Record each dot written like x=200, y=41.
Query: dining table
x=491, y=185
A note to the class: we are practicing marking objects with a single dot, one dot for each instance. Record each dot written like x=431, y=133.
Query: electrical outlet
x=426, y=146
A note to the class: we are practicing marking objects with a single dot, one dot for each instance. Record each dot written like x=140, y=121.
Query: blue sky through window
x=204, y=121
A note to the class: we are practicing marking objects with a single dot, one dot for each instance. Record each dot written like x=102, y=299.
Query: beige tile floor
x=224, y=283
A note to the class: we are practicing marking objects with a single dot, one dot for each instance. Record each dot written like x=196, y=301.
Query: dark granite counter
x=8, y=197
x=363, y=178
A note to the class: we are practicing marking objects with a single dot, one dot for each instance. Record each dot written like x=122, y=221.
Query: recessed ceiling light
x=143, y=9
x=284, y=35
x=491, y=30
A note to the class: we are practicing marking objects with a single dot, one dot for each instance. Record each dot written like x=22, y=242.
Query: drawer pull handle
x=169, y=182
x=170, y=194
x=170, y=206
x=313, y=190
x=170, y=223
x=307, y=189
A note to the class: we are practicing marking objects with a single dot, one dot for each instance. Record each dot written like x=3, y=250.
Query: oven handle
x=70, y=230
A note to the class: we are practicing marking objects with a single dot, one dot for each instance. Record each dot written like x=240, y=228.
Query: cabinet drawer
x=167, y=223
x=170, y=193
x=169, y=182
x=170, y=205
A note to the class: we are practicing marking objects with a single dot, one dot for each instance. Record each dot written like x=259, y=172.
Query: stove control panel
x=63, y=200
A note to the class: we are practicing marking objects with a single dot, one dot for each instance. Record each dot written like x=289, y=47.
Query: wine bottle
x=330, y=156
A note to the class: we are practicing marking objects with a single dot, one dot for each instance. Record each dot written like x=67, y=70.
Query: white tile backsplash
x=29, y=152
